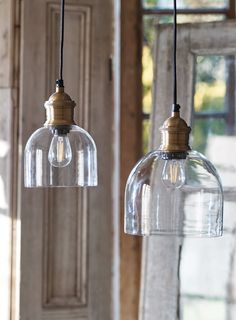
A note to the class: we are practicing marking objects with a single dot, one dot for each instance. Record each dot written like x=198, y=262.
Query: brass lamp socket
x=175, y=135
x=59, y=109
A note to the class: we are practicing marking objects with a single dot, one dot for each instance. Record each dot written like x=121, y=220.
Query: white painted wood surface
x=159, y=292
x=9, y=219
x=68, y=235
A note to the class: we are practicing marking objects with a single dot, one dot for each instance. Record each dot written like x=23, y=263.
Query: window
x=207, y=95
x=155, y=12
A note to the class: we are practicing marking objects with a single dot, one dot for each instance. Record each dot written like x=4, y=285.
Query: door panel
x=9, y=213
x=67, y=234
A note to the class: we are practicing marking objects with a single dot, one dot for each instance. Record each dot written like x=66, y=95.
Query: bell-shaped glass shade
x=174, y=197
x=60, y=158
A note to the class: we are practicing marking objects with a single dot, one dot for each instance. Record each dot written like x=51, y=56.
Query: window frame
x=229, y=12
x=161, y=255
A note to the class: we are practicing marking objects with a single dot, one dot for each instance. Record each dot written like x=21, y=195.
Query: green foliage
x=146, y=133
x=150, y=3
x=208, y=68
x=204, y=127
x=210, y=90
x=150, y=24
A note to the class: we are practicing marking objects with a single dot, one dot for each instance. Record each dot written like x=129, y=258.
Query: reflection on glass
x=183, y=4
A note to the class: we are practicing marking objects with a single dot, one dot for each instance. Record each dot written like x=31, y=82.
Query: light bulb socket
x=165, y=155
x=60, y=83
x=175, y=135
x=60, y=130
x=59, y=108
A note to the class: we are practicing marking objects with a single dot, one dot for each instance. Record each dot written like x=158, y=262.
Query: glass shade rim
x=144, y=218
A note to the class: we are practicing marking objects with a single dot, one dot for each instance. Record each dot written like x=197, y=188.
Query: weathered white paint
x=159, y=293
x=68, y=234
x=9, y=218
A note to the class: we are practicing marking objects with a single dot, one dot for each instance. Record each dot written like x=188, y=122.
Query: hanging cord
x=61, y=53
x=176, y=107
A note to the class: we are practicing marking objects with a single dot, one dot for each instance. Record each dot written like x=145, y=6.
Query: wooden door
x=9, y=213
x=69, y=235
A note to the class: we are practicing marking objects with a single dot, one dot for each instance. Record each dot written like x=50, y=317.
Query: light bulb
x=60, y=153
x=173, y=174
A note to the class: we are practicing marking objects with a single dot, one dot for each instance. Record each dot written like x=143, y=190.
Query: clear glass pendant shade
x=174, y=197
x=61, y=158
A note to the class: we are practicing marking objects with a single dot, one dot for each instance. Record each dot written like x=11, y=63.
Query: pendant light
x=60, y=154
x=174, y=190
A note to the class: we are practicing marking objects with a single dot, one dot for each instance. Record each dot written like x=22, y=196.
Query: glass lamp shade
x=61, y=158
x=174, y=197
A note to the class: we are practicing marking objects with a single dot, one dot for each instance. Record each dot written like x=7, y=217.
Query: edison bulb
x=60, y=153
x=173, y=175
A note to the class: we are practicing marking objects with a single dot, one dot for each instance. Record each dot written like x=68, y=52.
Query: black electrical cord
x=61, y=53
x=176, y=107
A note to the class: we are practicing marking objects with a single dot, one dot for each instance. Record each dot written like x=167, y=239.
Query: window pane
x=210, y=86
x=214, y=113
x=196, y=309
x=183, y=4
x=203, y=128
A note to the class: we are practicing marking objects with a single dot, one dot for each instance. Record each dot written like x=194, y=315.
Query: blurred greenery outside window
x=213, y=90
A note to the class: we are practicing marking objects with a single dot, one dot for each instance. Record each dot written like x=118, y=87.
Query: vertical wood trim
x=232, y=10
x=131, y=137
x=115, y=76
x=15, y=170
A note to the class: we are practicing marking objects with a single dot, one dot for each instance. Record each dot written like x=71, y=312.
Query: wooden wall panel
x=68, y=234
x=9, y=215
x=77, y=44
x=65, y=277
x=65, y=249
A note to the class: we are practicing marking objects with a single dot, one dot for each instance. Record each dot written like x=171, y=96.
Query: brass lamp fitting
x=175, y=135
x=59, y=109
